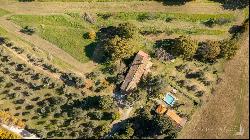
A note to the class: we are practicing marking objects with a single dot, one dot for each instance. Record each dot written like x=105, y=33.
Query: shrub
x=206, y=82
x=3, y=40
x=26, y=0
x=104, y=15
x=20, y=101
x=18, y=49
x=146, y=16
x=182, y=83
x=28, y=30
x=176, y=2
x=9, y=44
x=72, y=80
x=197, y=74
x=28, y=107
x=199, y=93
x=235, y=30
x=115, y=115
x=105, y=102
x=91, y=35
x=169, y=19
x=102, y=130
x=182, y=67
x=92, y=75
x=192, y=88
x=96, y=115
x=161, y=54
x=210, y=22
x=50, y=67
x=20, y=67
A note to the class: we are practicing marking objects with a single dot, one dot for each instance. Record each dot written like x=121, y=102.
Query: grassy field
x=3, y=12
x=179, y=23
x=67, y=32
x=32, y=49
x=61, y=31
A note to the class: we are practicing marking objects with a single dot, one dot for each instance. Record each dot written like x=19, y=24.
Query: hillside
x=125, y=69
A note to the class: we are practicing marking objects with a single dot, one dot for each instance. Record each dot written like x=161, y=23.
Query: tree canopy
x=209, y=50
x=118, y=42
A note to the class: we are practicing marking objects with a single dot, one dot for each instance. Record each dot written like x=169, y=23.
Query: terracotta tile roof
x=140, y=66
x=172, y=114
x=143, y=54
x=161, y=109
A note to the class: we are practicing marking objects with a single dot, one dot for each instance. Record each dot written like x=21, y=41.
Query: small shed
x=161, y=109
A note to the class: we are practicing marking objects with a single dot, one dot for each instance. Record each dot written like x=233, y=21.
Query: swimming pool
x=169, y=99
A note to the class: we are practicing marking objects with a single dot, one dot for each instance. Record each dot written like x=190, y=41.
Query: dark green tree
x=153, y=84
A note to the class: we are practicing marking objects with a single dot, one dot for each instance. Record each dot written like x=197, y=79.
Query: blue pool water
x=169, y=99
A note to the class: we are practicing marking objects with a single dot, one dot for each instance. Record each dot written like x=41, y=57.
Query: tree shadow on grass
x=95, y=53
x=233, y=4
x=89, y=49
x=174, y=2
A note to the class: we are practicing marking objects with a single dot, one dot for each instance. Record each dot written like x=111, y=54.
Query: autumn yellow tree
x=5, y=134
x=7, y=119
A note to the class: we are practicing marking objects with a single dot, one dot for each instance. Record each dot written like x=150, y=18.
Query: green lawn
x=59, y=30
x=163, y=16
x=66, y=31
x=155, y=22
